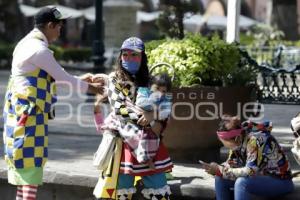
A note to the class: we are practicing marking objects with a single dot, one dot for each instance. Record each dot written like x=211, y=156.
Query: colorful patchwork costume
x=154, y=180
x=259, y=154
x=257, y=167
x=31, y=92
x=26, y=127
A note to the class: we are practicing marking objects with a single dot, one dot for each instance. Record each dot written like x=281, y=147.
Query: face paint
x=131, y=61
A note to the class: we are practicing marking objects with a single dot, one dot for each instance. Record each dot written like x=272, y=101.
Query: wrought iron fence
x=278, y=80
x=278, y=57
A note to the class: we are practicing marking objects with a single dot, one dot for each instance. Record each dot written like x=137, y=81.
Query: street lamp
x=98, y=44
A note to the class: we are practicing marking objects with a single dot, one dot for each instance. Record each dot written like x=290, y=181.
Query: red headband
x=229, y=134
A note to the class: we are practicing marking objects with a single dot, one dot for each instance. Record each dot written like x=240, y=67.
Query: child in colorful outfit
x=144, y=142
x=28, y=100
x=256, y=164
x=132, y=72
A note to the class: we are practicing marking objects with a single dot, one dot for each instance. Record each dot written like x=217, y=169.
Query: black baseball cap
x=49, y=14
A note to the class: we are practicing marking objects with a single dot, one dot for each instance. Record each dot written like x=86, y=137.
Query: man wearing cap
x=28, y=101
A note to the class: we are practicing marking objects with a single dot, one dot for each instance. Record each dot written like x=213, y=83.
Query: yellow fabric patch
x=31, y=91
x=31, y=121
x=123, y=111
x=48, y=97
x=11, y=120
x=28, y=162
x=39, y=152
x=125, y=91
x=19, y=131
x=108, y=179
x=46, y=141
x=9, y=142
x=18, y=154
x=40, y=130
x=41, y=83
x=29, y=141
x=118, y=86
x=40, y=103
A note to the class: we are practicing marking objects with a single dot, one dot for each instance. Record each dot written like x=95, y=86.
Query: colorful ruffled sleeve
x=232, y=169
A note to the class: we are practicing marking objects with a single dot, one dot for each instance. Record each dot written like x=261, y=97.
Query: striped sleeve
x=117, y=96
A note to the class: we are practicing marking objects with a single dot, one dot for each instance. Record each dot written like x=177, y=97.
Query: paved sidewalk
x=73, y=140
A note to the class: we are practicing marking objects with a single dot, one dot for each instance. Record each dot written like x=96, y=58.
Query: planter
x=191, y=133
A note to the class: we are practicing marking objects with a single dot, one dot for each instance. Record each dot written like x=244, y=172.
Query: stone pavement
x=73, y=140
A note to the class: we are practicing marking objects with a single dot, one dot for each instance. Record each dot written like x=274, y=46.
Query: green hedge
x=198, y=60
x=66, y=54
x=6, y=51
x=72, y=54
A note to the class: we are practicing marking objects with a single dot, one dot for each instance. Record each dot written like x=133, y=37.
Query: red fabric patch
x=110, y=192
x=22, y=120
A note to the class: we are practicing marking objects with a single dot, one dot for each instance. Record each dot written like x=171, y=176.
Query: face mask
x=131, y=66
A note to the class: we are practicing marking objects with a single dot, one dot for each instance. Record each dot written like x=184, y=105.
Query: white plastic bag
x=296, y=150
x=105, y=151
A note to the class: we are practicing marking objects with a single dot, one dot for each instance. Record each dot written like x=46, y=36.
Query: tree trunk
x=11, y=21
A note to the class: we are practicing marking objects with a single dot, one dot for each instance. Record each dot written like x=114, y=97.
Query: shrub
x=200, y=61
x=77, y=54
x=72, y=54
x=6, y=51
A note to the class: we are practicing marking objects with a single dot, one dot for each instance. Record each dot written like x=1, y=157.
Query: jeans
x=244, y=187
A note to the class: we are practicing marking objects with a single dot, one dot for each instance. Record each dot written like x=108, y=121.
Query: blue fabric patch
x=41, y=94
x=39, y=141
x=38, y=162
x=32, y=81
x=45, y=152
x=22, y=101
x=154, y=181
x=9, y=131
x=19, y=163
x=144, y=91
x=28, y=152
x=46, y=129
x=48, y=87
x=18, y=143
x=40, y=119
x=47, y=107
x=42, y=74
x=30, y=131
x=9, y=152
x=125, y=181
x=11, y=109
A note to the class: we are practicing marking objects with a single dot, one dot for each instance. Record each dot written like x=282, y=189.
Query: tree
x=170, y=21
x=10, y=20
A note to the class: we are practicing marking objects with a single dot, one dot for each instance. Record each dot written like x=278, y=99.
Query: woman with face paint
x=256, y=164
x=117, y=181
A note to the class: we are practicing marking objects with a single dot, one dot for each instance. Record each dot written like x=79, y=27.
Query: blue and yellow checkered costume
x=26, y=145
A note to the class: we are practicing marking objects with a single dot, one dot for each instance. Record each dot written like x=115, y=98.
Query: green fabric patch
x=28, y=176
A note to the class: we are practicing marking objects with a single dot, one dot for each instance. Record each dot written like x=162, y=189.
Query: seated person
x=256, y=164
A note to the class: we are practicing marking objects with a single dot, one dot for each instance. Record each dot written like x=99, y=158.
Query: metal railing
x=278, y=78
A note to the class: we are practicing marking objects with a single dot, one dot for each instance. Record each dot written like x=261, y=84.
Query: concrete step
x=188, y=183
